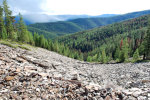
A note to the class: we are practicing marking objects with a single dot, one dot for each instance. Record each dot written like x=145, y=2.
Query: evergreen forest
x=121, y=41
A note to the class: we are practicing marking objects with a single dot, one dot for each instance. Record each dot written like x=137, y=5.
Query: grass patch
x=23, y=47
x=139, y=61
x=8, y=44
x=14, y=44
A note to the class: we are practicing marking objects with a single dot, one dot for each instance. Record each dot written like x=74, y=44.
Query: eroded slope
x=42, y=74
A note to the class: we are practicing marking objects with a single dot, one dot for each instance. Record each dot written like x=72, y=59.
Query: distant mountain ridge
x=43, y=18
x=81, y=24
x=109, y=38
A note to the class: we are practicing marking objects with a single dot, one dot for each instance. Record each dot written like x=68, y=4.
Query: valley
x=81, y=24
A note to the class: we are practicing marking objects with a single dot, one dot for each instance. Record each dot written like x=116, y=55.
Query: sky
x=77, y=7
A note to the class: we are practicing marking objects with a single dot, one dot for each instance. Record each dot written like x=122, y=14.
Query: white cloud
x=95, y=7
x=90, y=7
x=26, y=6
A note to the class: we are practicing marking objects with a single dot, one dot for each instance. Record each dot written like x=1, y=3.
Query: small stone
x=4, y=90
x=57, y=75
x=136, y=94
x=1, y=98
x=108, y=97
x=18, y=70
x=1, y=72
x=37, y=89
x=149, y=95
x=43, y=74
x=30, y=69
x=9, y=78
x=142, y=98
x=14, y=96
x=13, y=74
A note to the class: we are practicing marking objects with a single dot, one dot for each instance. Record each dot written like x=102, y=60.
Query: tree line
x=53, y=29
x=118, y=41
x=10, y=30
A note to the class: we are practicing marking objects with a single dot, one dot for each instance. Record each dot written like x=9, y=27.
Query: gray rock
x=70, y=79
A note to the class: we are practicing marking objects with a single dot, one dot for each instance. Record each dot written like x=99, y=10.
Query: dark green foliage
x=42, y=32
x=147, y=42
x=103, y=56
x=81, y=24
x=19, y=32
x=117, y=41
x=31, y=40
x=9, y=19
x=42, y=41
x=23, y=34
x=136, y=55
x=84, y=40
x=117, y=54
x=120, y=39
x=89, y=58
x=3, y=33
x=124, y=51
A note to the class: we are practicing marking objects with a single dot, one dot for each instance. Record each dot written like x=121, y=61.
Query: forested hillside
x=81, y=24
x=117, y=42
x=42, y=32
x=110, y=42
x=18, y=32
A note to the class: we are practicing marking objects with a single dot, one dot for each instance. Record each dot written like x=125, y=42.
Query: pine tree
x=124, y=52
x=50, y=45
x=117, y=54
x=89, y=58
x=126, y=49
x=56, y=46
x=31, y=41
x=42, y=41
x=147, y=42
x=3, y=33
x=94, y=58
x=103, y=56
x=36, y=39
x=136, y=55
x=46, y=44
x=8, y=20
x=23, y=34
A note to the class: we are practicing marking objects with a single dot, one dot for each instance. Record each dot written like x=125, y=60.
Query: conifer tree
x=3, y=33
x=31, y=41
x=23, y=34
x=50, y=45
x=89, y=58
x=8, y=20
x=124, y=51
x=42, y=41
x=147, y=42
x=117, y=53
x=36, y=39
x=103, y=56
x=136, y=55
x=56, y=46
x=94, y=58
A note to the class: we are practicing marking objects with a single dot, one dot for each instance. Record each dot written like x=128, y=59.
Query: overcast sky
x=89, y=7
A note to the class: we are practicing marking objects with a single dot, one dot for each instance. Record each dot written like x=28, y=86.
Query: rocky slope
x=44, y=75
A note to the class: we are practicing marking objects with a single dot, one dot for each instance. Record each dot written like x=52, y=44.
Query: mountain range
x=55, y=29
x=43, y=18
x=89, y=40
